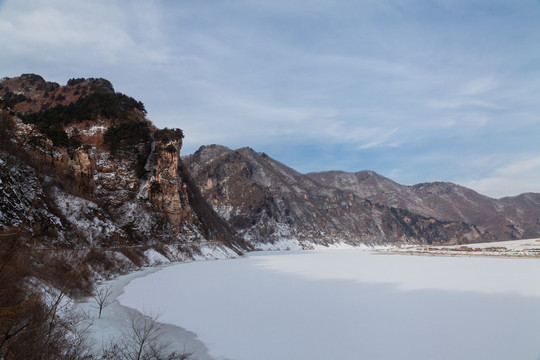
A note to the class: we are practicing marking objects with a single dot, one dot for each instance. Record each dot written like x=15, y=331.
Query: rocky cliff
x=105, y=179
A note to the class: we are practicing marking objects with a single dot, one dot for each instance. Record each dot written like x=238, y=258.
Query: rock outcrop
x=166, y=189
x=104, y=177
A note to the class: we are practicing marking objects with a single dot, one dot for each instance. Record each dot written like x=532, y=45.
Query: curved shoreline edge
x=115, y=319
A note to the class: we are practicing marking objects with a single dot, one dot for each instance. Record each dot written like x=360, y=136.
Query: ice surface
x=351, y=304
x=114, y=322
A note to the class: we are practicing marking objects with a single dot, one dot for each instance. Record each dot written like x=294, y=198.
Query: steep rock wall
x=166, y=189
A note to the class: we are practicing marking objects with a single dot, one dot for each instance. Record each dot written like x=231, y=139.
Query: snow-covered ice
x=523, y=248
x=351, y=304
x=114, y=322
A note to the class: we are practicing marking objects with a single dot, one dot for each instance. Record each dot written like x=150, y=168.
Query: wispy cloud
x=415, y=89
x=256, y=121
x=457, y=103
x=74, y=31
x=514, y=178
x=479, y=86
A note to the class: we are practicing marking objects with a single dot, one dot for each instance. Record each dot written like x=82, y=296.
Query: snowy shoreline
x=115, y=318
x=353, y=303
x=527, y=248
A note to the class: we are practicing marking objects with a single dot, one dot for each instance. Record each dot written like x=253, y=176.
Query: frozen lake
x=351, y=304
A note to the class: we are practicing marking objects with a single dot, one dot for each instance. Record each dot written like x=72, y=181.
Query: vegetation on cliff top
x=52, y=121
x=99, y=104
x=125, y=134
x=165, y=135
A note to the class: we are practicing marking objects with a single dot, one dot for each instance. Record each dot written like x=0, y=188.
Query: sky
x=415, y=90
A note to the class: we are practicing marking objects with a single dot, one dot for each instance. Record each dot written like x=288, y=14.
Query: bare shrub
x=34, y=324
x=136, y=256
x=103, y=298
x=97, y=257
x=142, y=342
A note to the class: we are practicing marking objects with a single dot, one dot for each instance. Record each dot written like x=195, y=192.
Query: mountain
x=98, y=176
x=268, y=202
x=507, y=218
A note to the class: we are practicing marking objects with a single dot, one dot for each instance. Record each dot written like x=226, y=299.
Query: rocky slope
x=105, y=179
x=267, y=202
x=508, y=218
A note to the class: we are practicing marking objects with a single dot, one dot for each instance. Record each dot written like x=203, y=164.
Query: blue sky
x=417, y=91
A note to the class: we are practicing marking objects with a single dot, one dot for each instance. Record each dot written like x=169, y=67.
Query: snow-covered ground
x=114, y=323
x=350, y=304
x=520, y=248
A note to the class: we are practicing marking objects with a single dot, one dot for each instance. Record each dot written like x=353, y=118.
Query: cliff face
x=166, y=190
x=104, y=177
x=78, y=165
x=267, y=202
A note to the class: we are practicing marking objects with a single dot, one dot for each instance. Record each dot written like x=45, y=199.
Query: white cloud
x=381, y=137
x=347, y=75
x=515, y=178
x=456, y=103
x=479, y=86
x=80, y=32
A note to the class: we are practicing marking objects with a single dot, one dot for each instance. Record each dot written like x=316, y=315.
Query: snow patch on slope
x=155, y=258
x=85, y=215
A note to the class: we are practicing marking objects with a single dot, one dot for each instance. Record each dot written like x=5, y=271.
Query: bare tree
x=103, y=298
x=142, y=342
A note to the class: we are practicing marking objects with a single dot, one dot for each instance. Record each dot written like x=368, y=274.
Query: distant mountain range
x=264, y=200
x=507, y=218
